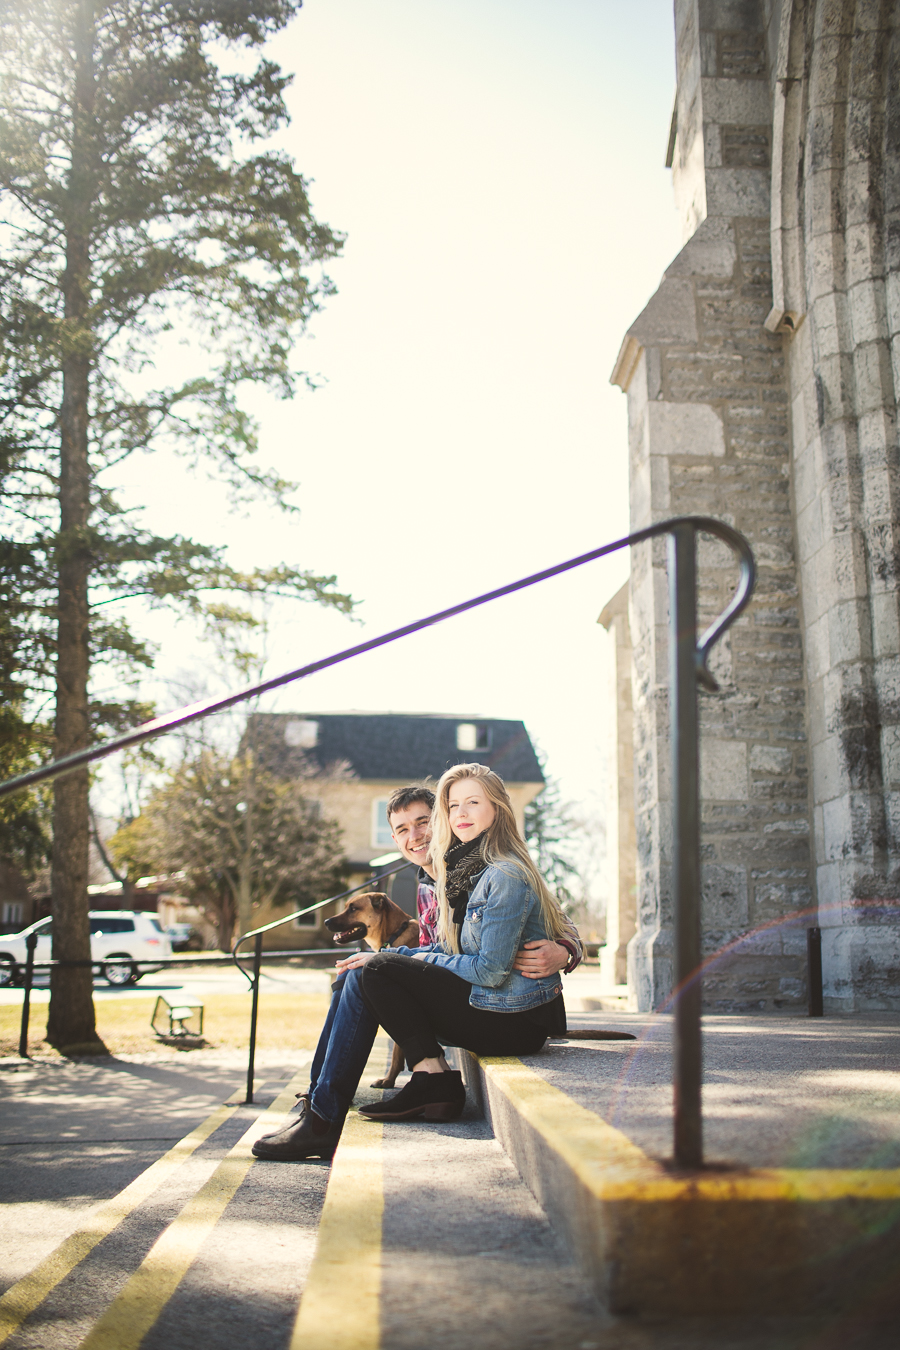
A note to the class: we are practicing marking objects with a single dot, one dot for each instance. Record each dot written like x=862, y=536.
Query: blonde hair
x=501, y=843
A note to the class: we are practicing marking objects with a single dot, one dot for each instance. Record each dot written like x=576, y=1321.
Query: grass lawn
x=286, y=1022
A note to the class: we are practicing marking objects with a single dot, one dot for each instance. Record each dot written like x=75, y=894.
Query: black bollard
x=814, y=991
x=30, y=944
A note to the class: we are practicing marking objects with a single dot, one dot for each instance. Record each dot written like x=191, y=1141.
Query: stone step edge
x=765, y=1241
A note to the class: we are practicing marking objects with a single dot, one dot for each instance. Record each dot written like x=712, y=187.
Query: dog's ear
x=378, y=901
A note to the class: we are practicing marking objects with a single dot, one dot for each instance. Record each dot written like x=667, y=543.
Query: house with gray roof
x=356, y=759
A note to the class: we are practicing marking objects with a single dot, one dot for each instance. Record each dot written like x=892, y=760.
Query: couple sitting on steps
x=485, y=976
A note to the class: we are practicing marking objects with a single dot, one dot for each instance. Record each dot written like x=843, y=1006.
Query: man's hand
x=537, y=959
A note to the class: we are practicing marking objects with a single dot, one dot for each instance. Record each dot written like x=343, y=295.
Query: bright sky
x=497, y=166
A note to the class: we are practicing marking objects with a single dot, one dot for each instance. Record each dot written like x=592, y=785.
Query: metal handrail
x=257, y=933
x=194, y=712
x=688, y=668
x=160, y=963
x=168, y=962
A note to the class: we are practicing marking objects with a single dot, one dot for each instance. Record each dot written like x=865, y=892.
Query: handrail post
x=257, y=960
x=30, y=944
x=814, y=992
x=684, y=723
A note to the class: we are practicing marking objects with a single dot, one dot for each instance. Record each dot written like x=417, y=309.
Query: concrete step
x=427, y=1234
x=116, y=1232
x=733, y=1238
x=416, y=1235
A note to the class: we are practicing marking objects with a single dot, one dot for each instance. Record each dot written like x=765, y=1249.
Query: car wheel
x=7, y=971
x=120, y=976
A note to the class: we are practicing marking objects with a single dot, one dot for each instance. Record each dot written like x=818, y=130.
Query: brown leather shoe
x=298, y=1141
x=427, y=1096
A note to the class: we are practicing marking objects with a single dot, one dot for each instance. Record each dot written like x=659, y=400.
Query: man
x=349, y=1031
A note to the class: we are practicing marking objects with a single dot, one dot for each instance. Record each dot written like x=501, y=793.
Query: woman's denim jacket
x=502, y=913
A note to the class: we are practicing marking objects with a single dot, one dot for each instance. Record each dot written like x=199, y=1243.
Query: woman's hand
x=538, y=959
x=360, y=958
x=353, y=960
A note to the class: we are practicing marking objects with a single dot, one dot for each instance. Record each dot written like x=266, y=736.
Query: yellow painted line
x=138, y=1305
x=23, y=1297
x=611, y=1167
x=340, y=1307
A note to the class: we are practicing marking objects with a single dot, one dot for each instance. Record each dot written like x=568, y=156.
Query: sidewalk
x=429, y=1236
x=74, y=1133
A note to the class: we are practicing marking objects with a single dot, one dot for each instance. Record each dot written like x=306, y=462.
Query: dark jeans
x=344, y=1047
x=422, y=1005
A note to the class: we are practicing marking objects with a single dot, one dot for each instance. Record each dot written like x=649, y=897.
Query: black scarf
x=465, y=862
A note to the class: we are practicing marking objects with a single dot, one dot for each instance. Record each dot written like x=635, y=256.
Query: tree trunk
x=244, y=895
x=71, y=1022
x=225, y=913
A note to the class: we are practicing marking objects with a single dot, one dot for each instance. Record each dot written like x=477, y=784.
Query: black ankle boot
x=430, y=1096
x=299, y=1139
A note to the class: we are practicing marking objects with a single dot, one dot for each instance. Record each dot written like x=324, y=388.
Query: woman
x=463, y=990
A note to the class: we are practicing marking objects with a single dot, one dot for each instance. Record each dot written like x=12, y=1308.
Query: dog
x=373, y=918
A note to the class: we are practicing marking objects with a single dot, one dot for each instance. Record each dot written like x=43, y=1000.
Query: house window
x=307, y=920
x=300, y=734
x=472, y=736
x=14, y=913
x=381, y=830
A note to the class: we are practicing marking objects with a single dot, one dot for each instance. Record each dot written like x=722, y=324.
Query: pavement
x=74, y=1133
x=778, y=1091
x=418, y=1235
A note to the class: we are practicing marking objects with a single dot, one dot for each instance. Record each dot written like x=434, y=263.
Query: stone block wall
x=762, y=384
x=836, y=299
x=708, y=429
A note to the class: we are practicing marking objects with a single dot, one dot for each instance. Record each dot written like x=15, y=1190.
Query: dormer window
x=300, y=734
x=472, y=736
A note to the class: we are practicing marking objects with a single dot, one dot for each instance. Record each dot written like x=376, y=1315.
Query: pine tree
x=133, y=208
x=24, y=817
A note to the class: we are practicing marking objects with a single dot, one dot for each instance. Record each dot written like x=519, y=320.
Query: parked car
x=184, y=937
x=123, y=933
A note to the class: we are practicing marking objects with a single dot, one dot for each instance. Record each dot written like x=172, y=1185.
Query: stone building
x=761, y=382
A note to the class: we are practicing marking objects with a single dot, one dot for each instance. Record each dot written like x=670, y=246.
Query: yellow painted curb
x=340, y=1307
x=139, y=1304
x=654, y=1241
x=614, y=1168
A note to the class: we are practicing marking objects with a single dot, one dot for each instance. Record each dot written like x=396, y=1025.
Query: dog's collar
x=396, y=933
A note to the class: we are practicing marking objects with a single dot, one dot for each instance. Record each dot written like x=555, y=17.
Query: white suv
x=124, y=933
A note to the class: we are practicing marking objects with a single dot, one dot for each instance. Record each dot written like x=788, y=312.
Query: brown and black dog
x=376, y=920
